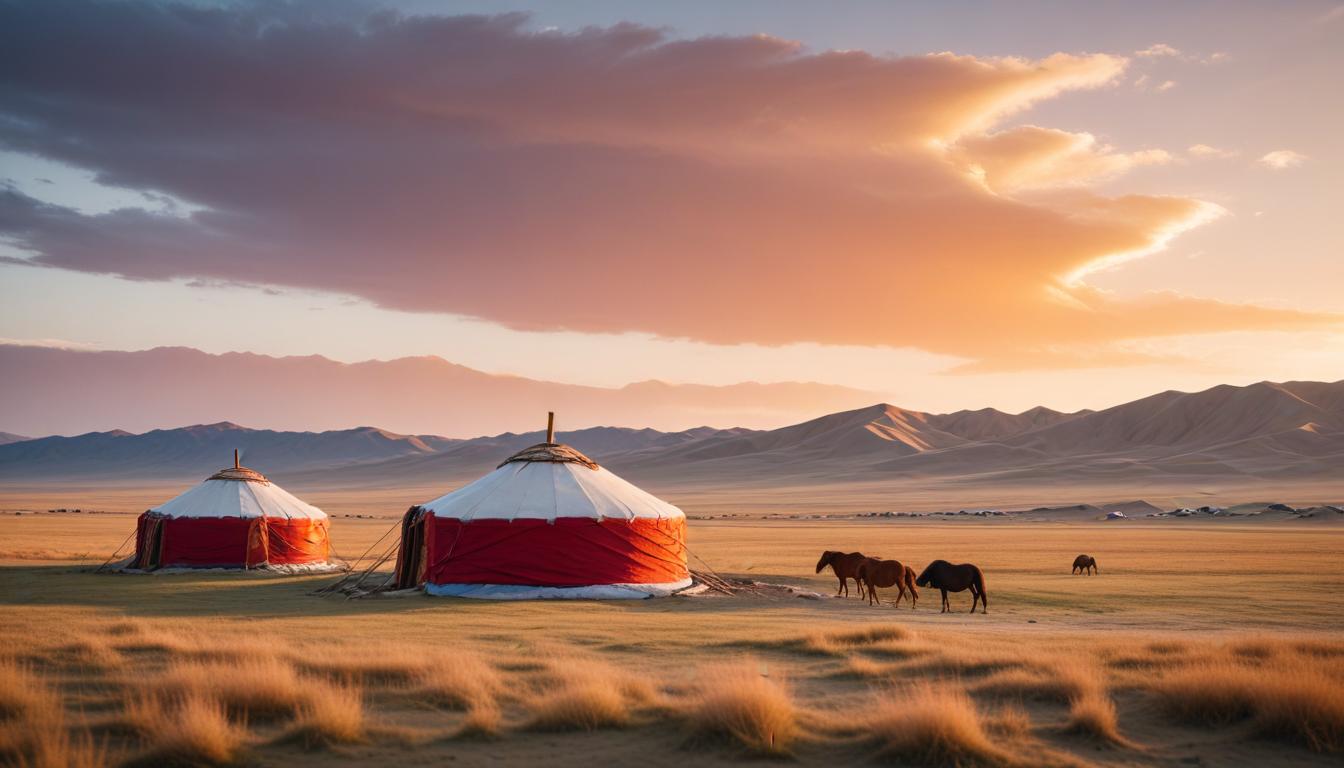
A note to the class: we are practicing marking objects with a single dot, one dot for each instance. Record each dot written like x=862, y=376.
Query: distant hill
x=1288, y=430
x=201, y=449
x=1277, y=435
x=9, y=437
x=60, y=391
x=196, y=451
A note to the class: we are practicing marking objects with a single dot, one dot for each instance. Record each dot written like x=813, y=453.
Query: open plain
x=1198, y=643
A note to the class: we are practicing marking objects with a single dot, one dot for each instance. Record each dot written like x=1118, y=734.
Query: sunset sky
x=951, y=204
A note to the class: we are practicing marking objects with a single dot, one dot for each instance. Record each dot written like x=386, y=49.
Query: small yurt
x=235, y=519
x=547, y=523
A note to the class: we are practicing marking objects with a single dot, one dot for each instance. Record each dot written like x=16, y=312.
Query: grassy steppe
x=1217, y=642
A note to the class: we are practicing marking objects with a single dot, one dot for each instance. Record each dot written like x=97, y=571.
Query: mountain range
x=48, y=391
x=1266, y=435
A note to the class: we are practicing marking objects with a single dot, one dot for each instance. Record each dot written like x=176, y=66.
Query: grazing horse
x=875, y=572
x=1085, y=564
x=910, y=585
x=947, y=577
x=846, y=567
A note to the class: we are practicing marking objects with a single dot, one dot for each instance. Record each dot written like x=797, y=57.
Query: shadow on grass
x=243, y=593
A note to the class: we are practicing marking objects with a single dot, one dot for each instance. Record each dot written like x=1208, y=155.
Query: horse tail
x=980, y=585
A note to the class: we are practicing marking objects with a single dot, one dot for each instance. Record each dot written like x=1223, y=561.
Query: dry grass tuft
x=90, y=653
x=1093, y=715
x=587, y=695
x=872, y=634
x=484, y=720
x=23, y=696
x=259, y=687
x=332, y=714
x=197, y=732
x=867, y=669
x=739, y=704
x=1066, y=681
x=53, y=747
x=458, y=681
x=1293, y=701
x=32, y=724
x=142, y=715
x=936, y=726
x=1009, y=722
x=877, y=637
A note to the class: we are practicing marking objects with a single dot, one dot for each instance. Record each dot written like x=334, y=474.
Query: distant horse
x=846, y=567
x=1085, y=564
x=947, y=577
x=875, y=572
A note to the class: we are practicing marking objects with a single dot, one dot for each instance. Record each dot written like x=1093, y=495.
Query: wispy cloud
x=1281, y=159
x=1158, y=50
x=1206, y=151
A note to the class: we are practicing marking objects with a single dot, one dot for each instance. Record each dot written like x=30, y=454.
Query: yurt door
x=411, y=553
x=150, y=550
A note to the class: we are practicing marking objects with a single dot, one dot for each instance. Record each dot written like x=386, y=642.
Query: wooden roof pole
x=550, y=427
x=235, y=458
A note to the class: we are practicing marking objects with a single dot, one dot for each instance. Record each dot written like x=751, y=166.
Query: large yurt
x=236, y=518
x=547, y=523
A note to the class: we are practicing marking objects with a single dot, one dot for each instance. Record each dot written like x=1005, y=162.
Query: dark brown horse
x=1085, y=564
x=875, y=572
x=846, y=567
x=946, y=577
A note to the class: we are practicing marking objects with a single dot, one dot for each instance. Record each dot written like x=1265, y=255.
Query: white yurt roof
x=548, y=481
x=239, y=492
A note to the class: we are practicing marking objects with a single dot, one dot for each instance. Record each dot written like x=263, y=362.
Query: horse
x=846, y=567
x=875, y=572
x=1085, y=564
x=946, y=577
x=910, y=585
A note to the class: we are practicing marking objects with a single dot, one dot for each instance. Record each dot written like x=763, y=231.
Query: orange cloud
x=722, y=189
x=1030, y=157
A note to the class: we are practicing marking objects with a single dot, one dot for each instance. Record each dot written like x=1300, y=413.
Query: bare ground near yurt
x=1221, y=644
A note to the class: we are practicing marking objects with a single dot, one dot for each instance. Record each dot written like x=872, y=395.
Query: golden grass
x=739, y=704
x=1063, y=681
x=53, y=747
x=369, y=664
x=1093, y=715
x=1010, y=722
x=332, y=714
x=196, y=731
x=142, y=714
x=32, y=722
x=858, y=666
x=461, y=680
x=23, y=696
x=90, y=652
x=587, y=694
x=872, y=637
x=1292, y=700
x=932, y=725
x=258, y=687
x=484, y=720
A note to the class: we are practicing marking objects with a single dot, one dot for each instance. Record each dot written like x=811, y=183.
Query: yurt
x=236, y=518
x=547, y=523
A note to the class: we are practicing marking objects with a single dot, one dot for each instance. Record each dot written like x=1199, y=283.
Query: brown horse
x=846, y=567
x=875, y=572
x=1085, y=564
x=910, y=585
x=947, y=577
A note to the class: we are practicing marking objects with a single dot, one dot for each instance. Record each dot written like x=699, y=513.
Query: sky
x=951, y=204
